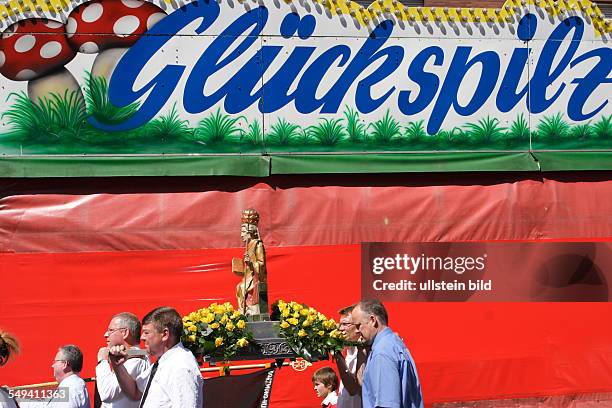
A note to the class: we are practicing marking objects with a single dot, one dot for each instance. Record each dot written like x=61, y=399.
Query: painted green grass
x=385, y=130
x=253, y=136
x=485, y=131
x=283, y=133
x=55, y=117
x=59, y=122
x=415, y=132
x=552, y=128
x=519, y=129
x=328, y=132
x=355, y=128
x=217, y=128
x=170, y=126
x=603, y=128
x=99, y=105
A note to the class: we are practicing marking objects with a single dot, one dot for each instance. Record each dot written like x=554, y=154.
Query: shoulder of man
x=137, y=365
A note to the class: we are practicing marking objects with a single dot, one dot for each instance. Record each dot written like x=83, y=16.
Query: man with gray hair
x=390, y=378
x=352, y=366
x=67, y=365
x=123, y=329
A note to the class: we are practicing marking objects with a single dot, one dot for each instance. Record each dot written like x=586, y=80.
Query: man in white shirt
x=67, y=365
x=350, y=367
x=174, y=381
x=123, y=329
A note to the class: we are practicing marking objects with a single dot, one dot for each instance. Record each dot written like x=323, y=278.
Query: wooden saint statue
x=252, y=291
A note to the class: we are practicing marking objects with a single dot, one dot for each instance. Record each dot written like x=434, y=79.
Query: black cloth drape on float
x=239, y=391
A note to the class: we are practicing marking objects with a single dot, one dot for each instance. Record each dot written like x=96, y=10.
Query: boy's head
x=325, y=381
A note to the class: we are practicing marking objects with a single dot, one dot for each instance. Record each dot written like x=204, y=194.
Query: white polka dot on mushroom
x=25, y=75
x=71, y=27
x=89, y=47
x=92, y=12
x=2, y=59
x=132, y=3
x=126, y=25
x=53, y=24
x=154, y=19
x=50, y=49
x=25, y=43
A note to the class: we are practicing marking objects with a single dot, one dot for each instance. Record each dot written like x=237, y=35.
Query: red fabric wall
x=76, y=251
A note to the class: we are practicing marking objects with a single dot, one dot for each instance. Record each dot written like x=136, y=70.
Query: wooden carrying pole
x=221, y=369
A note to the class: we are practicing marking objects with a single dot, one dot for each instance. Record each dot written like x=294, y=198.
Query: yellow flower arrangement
x=216, y=330
x=310, y=333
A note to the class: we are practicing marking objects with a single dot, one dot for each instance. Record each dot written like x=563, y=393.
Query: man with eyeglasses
x=352, y=366
x=390, y=379
x=123, y=330
x=67, y=366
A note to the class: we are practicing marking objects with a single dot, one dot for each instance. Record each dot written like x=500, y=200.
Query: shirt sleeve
x=386, y=382
x=142, y=378
x=79, y=398
x=106, y=381
x=187, y=389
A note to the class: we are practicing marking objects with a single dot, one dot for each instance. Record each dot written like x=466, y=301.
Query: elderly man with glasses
x=390, y=378
x=123, y=329
x=67, y=366
x=352, y=366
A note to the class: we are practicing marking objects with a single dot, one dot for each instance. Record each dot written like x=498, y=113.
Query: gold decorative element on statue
x=251, y=291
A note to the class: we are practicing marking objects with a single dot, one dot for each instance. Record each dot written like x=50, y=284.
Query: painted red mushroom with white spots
x=109, y=27
x=36, y=50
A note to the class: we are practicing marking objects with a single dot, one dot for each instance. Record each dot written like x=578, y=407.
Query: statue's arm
x=259, y=263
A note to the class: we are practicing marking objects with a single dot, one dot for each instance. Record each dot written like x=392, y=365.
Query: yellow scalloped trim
x=506, y=14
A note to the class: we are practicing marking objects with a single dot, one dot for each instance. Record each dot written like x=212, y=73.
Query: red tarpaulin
x=74, y=252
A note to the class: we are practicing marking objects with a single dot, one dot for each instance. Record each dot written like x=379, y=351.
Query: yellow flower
x=296, y=314
x=328, y=324
x=285, y=313
x=229, y=326
x=306, y=323
x=185, y=319
x=242, y=342
x=214, y=325
x=224, y=319
x=293, y=321
x=228, y=306
x=209, y=318
x=301, y=333
x=284, y=324
x=192, y=338
x=241, y=324
x=304, y=312
x=235, y=315
x=298, y=307
x=192, y=328
x=321, y=333
x=218, y=341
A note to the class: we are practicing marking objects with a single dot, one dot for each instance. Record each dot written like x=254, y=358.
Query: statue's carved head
x=248, y=232
x=249, y=219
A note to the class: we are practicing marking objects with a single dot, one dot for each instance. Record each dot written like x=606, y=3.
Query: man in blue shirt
x=390, y=379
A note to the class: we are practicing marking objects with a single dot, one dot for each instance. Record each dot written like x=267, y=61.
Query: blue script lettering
x=298, y=79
